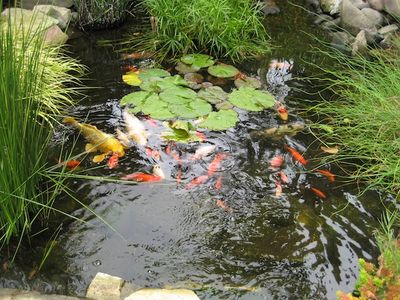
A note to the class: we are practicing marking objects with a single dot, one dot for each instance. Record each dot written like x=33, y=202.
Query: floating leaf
x=332, y=150
x=182, y=92
x=152, y=104
x=135, y=99
x=132, y=78
x=170, y=97
x=251, y=99
x=184, y=68
x=162, y=113
x=223, y=71
x=224, y=105
x=151, y=85
x=150, y=73
x=249, y=82
x=194, y=77
x=191, y=110
x=175, y=80
x=198, y=60
x=220, y=120
x=181, y=131
x=213, y=94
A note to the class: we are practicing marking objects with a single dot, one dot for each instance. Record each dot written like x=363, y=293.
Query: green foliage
x=223, y=71
x=198, y=60
x=101, y=14
x=181, y=131
x=32, y=95
x=249, y=98
x=364, y=117
x=220, y=120
x=225, y=28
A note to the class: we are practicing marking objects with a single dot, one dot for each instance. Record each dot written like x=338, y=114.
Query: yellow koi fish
x=98, y=140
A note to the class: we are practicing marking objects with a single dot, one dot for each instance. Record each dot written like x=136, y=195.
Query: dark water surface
x=261, y=247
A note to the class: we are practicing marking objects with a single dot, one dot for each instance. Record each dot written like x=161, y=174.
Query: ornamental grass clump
x=32, y=95
x=365, y=117
x=222, y=28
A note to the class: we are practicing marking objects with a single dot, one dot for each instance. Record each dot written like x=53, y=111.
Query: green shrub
x=32, y=94
x=365, y=117
x=222, y=28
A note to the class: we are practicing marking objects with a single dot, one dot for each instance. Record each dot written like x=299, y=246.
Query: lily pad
x=162, y=113
x=182, y=92
x=191, y=110
x=220, y=120
x=198, y=60
x=135, y=99
x=251, y=99
x=132, y=78
x=249, y=82
x=184, y=68
x=213, y=94
x=170, y=97
x=223, y=71
x=152, y=104
x=194, y=77
x=224, y=105
x=181, y=131
x=150, y=73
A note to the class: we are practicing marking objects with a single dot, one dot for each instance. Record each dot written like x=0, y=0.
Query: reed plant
x=223, y=28
x=33, y=93
x=364, y=117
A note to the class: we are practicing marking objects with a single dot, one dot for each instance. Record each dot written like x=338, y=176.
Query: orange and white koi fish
x=224, y=206
x=283, y=113
x=277, y=161
x=216, y=163
x=129, y=68
x=278, y=190
x=328, y=174
x=151, y=122
x=201, y=136
x=197, y=181
x=297, y=156
x=135, y=128
x=318, y=192
x=113, y=161
x=202, y=152
x=283, y=177
x=153, y=153
x=157, y=175
x=218, y=183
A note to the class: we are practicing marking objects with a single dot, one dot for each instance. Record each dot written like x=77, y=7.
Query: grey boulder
x=392, y=7
x=62, y=14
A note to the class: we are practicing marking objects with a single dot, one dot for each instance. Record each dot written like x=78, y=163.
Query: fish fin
x=89, y=148
x=99, y=158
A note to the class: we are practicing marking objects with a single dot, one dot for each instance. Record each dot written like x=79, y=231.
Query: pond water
x=258, y=246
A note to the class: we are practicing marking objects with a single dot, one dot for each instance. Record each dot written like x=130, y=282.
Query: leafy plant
x=224, y=28
x=249, y=98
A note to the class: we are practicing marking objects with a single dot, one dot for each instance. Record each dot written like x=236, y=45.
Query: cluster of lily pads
x=166, y=97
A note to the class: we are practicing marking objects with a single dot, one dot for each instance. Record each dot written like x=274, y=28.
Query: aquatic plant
x=223, y=28
x=32, y=94
x=101, y=14
x=363, y=117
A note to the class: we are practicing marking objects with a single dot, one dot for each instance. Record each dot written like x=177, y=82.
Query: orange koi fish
x=153, y=153
x=218, y=184
x=329, y=175
x=225, y=207
x=278, y=191
x=142, y=177
x=277, y=161
x=297, y=156
x=200, y=135
x=241, y=76
x=319, y=193
x=113, y=160
x=215, y=164
x=283, y=113
x=197, y=181
x=283, y=177
x=71, y=164
x=202, y=152
x=130, y=68
x=179, y=175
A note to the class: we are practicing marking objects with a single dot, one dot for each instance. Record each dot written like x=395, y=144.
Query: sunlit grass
x=223, y=28
x=364, y=116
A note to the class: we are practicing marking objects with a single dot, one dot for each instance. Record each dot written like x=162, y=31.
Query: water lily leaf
x=132, y=78
x=150, y=73
x=249, y=82
x=251, y=99
x=182, y=92
x=194, y=77
x=198, y=60
x=213, y=94
x=191, y=110
x=175, y=80
x=181, y=131
x=170, y=97
x=152, y=104
x=135, y=99
x=223, y=71
x=224, y=105
x=151, y=84
x=220, y=120
x=162, y=113
x=184, y=68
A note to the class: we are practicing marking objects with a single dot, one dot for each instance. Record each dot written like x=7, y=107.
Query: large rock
x=376, y=4
x=27, y=20
x=30, y=4
x=360, y=45
x=105, y=287
x=354, y=19
x=54, y=36
x=330, y=6
x=62, y=14
x=342, y=41
x=360, y=4
x=163, y=294
x=392, y=7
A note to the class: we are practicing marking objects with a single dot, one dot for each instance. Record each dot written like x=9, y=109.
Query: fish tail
x=69, y=120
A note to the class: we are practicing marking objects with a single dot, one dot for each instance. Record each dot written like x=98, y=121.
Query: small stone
x=388, y=29
x=360, y=45
x=373, y=36
x=392, y=7
x=376, y=4
x=342, y=41
x=105, y=287
x=270, y=7
x=360, y=4
x=330, y=6
x=375, y=17
x=62, y=14
x=54, y=36
x=322, y=18
x=163, y=294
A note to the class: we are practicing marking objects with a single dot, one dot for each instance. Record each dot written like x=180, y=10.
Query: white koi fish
x=135, y=128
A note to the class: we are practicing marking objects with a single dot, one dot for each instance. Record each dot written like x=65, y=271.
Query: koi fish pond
x=212, y=180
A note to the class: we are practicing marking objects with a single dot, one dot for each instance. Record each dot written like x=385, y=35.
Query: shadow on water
x=256, y=246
